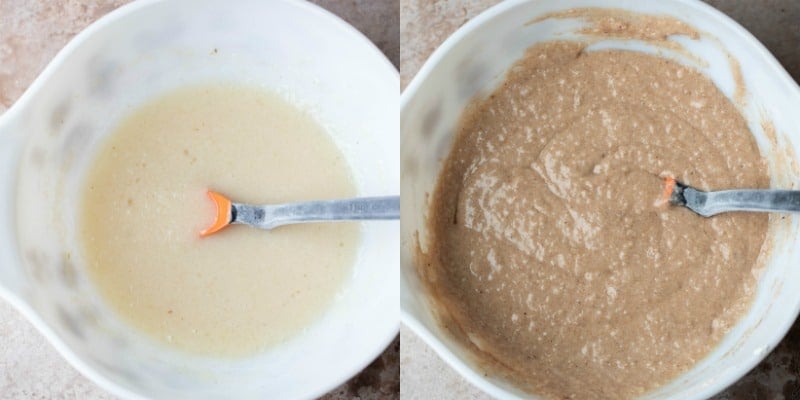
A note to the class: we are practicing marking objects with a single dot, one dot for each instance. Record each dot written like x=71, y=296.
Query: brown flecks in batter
x=545, y=248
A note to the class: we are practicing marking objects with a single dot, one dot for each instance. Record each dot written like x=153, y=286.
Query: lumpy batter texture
x=547, y=250
x=242, y=289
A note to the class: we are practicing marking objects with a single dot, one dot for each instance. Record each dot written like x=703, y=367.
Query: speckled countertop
x=31, y=33
x=424, y=24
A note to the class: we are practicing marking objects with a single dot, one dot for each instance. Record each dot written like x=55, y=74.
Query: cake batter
x=547, y=249
x=144, y=202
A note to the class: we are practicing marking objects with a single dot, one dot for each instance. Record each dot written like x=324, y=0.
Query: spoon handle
x=357, y=209
x=712, y=203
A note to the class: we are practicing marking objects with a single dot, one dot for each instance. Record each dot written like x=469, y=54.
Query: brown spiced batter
x=547, y=250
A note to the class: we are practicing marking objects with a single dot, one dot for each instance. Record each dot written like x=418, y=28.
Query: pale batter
x=547, y=251
x=242, y=289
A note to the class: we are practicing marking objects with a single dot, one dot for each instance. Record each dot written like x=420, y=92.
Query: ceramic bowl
x=473, y=62
x=139, y=51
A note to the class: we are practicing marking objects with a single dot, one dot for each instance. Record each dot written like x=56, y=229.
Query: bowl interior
x=473, y=62
x=296, y=49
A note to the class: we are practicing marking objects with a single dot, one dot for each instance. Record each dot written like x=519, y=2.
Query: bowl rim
x=13, y=113
x=433, y=340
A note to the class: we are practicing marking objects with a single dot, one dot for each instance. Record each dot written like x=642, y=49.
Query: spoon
x=274, y=215
x=713, y=203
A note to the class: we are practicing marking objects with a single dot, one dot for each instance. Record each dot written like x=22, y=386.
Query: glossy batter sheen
x=547, y=250
x=242, y=289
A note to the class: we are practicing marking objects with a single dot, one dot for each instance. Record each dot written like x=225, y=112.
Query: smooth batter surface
x=547, y=251
x=241, y=289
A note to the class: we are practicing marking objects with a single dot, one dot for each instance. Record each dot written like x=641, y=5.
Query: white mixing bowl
x=473, y=61
x=140, y=51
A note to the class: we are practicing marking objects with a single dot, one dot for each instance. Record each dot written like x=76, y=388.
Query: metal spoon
x=271, y=216
x=713, y=203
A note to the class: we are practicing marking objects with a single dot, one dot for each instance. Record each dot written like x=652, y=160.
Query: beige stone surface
x=424, y=24
x=31, y=33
